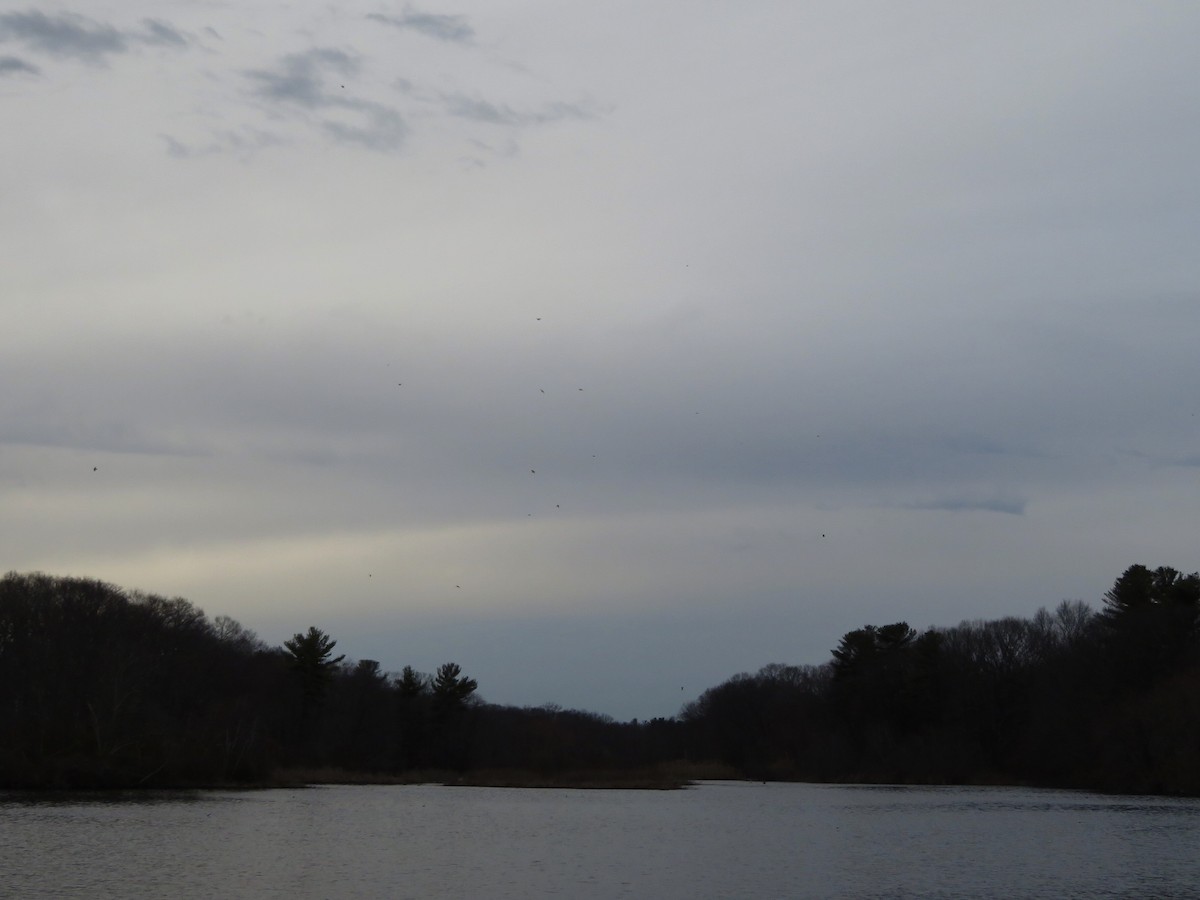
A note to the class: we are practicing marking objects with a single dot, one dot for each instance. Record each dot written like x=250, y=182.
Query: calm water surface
x=716, y=840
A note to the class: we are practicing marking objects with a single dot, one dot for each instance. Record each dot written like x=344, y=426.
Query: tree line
x=1107, y=700
x=104, y=687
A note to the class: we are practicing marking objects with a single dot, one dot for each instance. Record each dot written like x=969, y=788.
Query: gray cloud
x=72, y=36
x=65, y=35
x=11, y=65
x=96, y=435
x=479, y=110
x=441, y=27
x=1012, y=507
x=243, y=143
x=176, y=148
x=300, y=80
x=162, y=34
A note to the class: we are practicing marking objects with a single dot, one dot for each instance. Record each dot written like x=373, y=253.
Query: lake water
x=723, y=840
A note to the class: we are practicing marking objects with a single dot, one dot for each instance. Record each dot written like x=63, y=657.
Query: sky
x=607, y=350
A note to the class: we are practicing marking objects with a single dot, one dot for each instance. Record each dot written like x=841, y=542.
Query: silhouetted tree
x=873, y=679
x=311, y=658
x=451, y=688
x=1151, y=621
x=412, y=719
x=450, y=692
x=411, y=683
x=358, y=723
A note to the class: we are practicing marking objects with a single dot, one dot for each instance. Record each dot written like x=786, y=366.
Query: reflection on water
x=716, y=840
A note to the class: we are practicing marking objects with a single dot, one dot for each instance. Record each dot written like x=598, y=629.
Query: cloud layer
x=605, y=360
x=73, y=36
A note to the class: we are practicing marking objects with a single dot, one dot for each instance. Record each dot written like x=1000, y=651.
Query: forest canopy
x=106, y=687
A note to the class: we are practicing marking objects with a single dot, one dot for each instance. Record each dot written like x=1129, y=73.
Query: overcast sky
x=606, y=349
